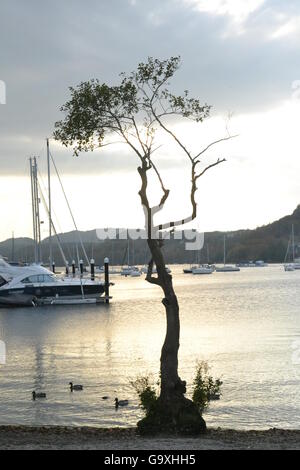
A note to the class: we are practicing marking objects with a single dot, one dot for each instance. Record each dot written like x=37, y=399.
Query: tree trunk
x=174, y=412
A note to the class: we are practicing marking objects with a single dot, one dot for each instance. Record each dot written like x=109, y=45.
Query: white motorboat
x=203, y=270
x=35, y=284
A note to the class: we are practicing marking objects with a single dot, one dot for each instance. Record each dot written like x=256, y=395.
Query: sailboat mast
x=224, y=250
x=13, y=247
x=128, y=254
x=33, y=208
x=293, y=242
x=37, y=210
x=49, y=205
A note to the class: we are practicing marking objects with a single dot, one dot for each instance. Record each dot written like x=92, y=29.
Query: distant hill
x=268, y=243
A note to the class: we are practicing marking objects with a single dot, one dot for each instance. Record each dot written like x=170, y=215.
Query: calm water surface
x=247, y=325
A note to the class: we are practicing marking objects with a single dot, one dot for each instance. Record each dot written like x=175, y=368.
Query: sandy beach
x=31, y=438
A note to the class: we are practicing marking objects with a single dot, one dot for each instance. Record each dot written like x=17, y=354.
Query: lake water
x=246, y=325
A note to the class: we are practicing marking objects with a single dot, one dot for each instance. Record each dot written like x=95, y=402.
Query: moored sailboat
x=226, y=268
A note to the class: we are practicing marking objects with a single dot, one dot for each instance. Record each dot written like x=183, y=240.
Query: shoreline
x=88, y=438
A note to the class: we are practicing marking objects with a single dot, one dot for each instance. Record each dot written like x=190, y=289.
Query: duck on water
x=120, y=403
x=36, y=395
x=76, y=388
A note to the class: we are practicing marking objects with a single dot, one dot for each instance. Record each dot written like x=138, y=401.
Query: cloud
x=237, y=10
x=46, y=48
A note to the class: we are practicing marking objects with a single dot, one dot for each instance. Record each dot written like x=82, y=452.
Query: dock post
x=106, y=279
x=81, y=267
x=73, y=268
x=92, y=269
x=53, y=267
x=67, y=269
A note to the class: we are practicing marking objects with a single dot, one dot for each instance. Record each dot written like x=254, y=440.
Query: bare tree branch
x=210, y=166
x=172, y=134
x=214, y=143
x=194, y=188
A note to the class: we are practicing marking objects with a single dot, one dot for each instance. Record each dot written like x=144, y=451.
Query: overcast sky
x=240, y=57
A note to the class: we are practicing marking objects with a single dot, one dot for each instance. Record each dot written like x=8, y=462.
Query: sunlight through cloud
x=238, y=10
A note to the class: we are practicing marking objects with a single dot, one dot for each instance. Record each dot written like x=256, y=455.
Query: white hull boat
x=36, y=285
x=294, y=264
x=202, y=270
x=226, y=268
x=289, y=267
x=132, y=271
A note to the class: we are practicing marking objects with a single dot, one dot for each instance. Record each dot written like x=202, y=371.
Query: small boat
x=135, y=273
x=294, y=264
x=261, y=264
x=130, y=271
x=227, y=268
x=289, y=267
x=101, y=270
x=203, y=270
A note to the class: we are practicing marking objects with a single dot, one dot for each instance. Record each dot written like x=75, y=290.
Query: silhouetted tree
x=134, y=111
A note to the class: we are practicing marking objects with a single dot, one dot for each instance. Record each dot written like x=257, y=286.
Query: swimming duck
x=76, y=388
x=120, y=402
x=38, y=395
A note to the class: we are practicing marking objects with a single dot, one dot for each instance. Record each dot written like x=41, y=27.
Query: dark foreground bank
x=23, y=437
